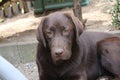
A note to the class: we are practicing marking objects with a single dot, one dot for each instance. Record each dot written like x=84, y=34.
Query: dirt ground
x=96, y=13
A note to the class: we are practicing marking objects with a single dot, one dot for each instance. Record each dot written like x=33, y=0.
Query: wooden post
x=77, y=10
x=24, y=5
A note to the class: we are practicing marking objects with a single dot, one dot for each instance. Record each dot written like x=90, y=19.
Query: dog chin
x=59, y=61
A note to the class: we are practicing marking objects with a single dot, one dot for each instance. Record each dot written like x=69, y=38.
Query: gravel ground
x=29, y=70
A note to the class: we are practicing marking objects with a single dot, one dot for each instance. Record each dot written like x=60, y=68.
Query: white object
x=22, y=11
x=9, y=72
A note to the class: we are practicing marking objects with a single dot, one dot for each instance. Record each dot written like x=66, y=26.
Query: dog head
x=58, y=32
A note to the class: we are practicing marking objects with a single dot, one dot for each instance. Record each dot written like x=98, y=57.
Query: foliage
x=116, y=15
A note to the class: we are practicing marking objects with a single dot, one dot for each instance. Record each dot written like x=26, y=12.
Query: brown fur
x=109, y=51
x=82, y=63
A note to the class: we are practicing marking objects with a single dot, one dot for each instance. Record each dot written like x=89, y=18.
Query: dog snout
x=58, y=52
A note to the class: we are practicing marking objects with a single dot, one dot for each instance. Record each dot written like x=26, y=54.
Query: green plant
x=116, y=15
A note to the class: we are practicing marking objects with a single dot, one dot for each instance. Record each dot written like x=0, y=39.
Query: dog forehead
x=58, y=20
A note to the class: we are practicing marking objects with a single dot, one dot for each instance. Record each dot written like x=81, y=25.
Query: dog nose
x=58, y=52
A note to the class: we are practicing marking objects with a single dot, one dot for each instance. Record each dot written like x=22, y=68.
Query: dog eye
x=66, y=32
x=49, y=34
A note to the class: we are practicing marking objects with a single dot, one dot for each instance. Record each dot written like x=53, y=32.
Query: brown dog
x=65, y=51
x=109, y=51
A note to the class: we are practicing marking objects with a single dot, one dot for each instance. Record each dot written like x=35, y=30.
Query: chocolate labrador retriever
x=65, y=51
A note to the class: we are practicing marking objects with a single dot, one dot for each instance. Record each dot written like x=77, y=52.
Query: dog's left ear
x=78, y=25
x=40, y=36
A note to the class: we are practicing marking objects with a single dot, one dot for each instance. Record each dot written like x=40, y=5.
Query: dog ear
x=40, y=36
x=78, y=25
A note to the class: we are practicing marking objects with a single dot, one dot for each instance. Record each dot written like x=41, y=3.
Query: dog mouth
x=59, y=62
x=60, y=59
x=57, y=59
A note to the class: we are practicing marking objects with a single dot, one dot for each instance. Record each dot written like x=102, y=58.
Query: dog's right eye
x=49, y=34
